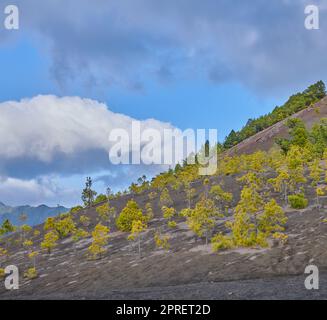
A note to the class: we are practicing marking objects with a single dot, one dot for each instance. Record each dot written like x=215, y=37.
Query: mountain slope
x=189, y=264
x=67, y=272
x=265, y=139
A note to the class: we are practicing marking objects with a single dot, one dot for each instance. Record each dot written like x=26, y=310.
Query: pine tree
x=272, y=220
x=201, y=219
x=221, y=197
x=75, y=210
x=88, y=194
x=85, y=220
x=324, y=158
x=320, y=192
x=165, y=199
x=190, y=194
x=109, y=194
x=31, y=273
x=49, y=224
x=161, y=241
x=242, y=230
x=50, y=241
x=315, y=172
x=28, y=244
x=99, y=240
x=252, y=179
x=206, y=185
x=152, y=195
x=281, y=182
x=250, y=205
x=130, y=213
x=32, y=255
x=149, y=211
x=106, y=213
x=168, y=214
x=295, y=163
x=6, y=228
x=65, y=227
x=138, y=227
x=25, y=229
x=36, y=233
x=100, y=198
x=3, y=252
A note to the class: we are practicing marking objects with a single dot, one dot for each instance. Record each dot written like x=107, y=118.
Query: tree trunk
x=256, y=225
x=139, y=246
x=285, y=195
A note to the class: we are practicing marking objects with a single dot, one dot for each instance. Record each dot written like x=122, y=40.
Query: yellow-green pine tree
x=138, y=227
x=50, y=241
x=100, y=236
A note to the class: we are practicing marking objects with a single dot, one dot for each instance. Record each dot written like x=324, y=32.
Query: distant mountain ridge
x=35, y=215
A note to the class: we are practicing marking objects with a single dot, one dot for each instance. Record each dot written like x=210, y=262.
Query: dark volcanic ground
x=188, y=271
x=274, y=288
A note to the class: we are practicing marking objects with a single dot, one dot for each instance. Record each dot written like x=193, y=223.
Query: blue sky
x=187, y=103
x=193, y=64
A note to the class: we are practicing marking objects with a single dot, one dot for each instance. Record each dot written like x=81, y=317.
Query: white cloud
x=47, y=140
x=44, y=127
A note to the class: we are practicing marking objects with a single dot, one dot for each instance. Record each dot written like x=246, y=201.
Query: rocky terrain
x=188, y=270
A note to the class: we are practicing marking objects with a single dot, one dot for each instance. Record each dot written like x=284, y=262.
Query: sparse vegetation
x=50, y=241
x=169, y=214
x=100, y=236
x=138, y=227
x=130, y=213
x=88, y=194
x=106, y=213
x=161, y=241
x=298, y=201
x=85, y=220
x=246, y=212
x=30, y=274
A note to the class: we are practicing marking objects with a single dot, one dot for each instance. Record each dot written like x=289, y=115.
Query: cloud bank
x=47, y=137
x=261, y=44
x=48, y=130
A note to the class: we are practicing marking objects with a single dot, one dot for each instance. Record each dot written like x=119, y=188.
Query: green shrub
x=130, y=213
x=298, y=201
x=2, y=273
x=75, y=210
x=30, y=274
x=221, y=242
x=172, y=224
x=100, y=198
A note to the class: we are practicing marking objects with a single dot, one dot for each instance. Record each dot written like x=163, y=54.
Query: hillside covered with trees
x=294, y=104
